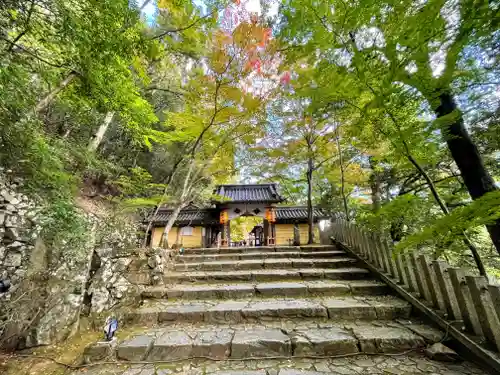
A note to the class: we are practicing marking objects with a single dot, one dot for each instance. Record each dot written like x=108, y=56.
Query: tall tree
x=426, y=46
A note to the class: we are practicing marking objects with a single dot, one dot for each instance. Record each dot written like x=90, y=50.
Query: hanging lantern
x=224, y=217
x=270, y=215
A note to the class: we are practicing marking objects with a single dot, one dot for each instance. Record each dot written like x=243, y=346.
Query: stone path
x=359, y=365
x=263, y=311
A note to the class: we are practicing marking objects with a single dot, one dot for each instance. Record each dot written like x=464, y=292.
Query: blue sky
x=149, y=10
x=250, y=5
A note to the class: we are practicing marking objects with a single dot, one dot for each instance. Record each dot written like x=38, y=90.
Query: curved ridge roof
x=252, y=193
x=211, y=216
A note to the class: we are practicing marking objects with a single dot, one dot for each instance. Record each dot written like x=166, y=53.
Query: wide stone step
x=257, y=264
x=268, y=275
x=260, y=255
x=255, y=310
x=276, y=289
x=257, y=249
x=247, y=341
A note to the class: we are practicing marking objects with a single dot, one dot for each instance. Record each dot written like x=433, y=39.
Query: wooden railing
x=456, y=294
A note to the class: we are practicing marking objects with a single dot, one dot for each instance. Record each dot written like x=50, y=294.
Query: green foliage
x=132, y=204
x=137, y=182
x=63, y=226
x=408, y=212
x=358, y=115
x=108, y=50
x=482, y=211
x=241, y=227
x=37, y=157
x=371, y=67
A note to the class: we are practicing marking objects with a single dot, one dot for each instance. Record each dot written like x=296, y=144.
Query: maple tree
x=219, y=112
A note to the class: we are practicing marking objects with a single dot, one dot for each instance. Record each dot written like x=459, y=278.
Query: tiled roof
x=298, y=212
x=247, y=193
x=189, y=216
x=211, y=216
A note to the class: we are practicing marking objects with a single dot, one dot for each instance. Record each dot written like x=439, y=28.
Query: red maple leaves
x=246, y=30
x=285, y=78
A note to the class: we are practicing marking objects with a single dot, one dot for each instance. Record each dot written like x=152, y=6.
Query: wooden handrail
x=454, y=293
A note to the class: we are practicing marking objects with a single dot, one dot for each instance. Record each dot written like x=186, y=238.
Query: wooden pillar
x=226, y=234
x=296, y=234
x=205, y=235
x=272, y=235
x=266, y=232
x=223, y=239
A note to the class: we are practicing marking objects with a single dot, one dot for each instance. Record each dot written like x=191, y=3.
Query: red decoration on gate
x=224, y=217
x=270, y=215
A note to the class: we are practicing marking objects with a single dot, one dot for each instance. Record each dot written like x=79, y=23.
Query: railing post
x=359, y=243
x=401, y=273
x=347, y=232
x=335, y=229
x=462, y=292
x=392, y=262
x=447, y=291
x=420, y=278
x=349, y=236
x=369, y=249
x=485, y=310
x=341, y=230
x=410, y=274
x=495, y=297
x=364, y=244
x=378, y=252
x=353, y=239
x=378, y=243
x=432, y=284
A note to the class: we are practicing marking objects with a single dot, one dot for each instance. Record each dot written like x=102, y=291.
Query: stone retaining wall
x=18, y=231
x=52, y=288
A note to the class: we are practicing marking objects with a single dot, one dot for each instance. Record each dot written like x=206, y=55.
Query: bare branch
x=192, y=24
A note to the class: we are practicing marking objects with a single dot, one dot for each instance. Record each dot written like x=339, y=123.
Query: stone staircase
x=268, y=303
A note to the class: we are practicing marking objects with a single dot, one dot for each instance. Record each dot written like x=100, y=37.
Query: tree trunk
x=170, y=224
x=342, y=180
x=429, y=181
x=467, y=157
x=444, y=208
x=310, y=231
x=182, y=202
x=99, y=135
x=44, y=103
x=150, y=223
x=375, y=185
x=166, y=182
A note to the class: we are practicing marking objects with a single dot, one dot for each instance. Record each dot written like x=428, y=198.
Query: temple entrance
x=257, y=235
x=243, y=233
x=237, y=215
x=260, y=215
